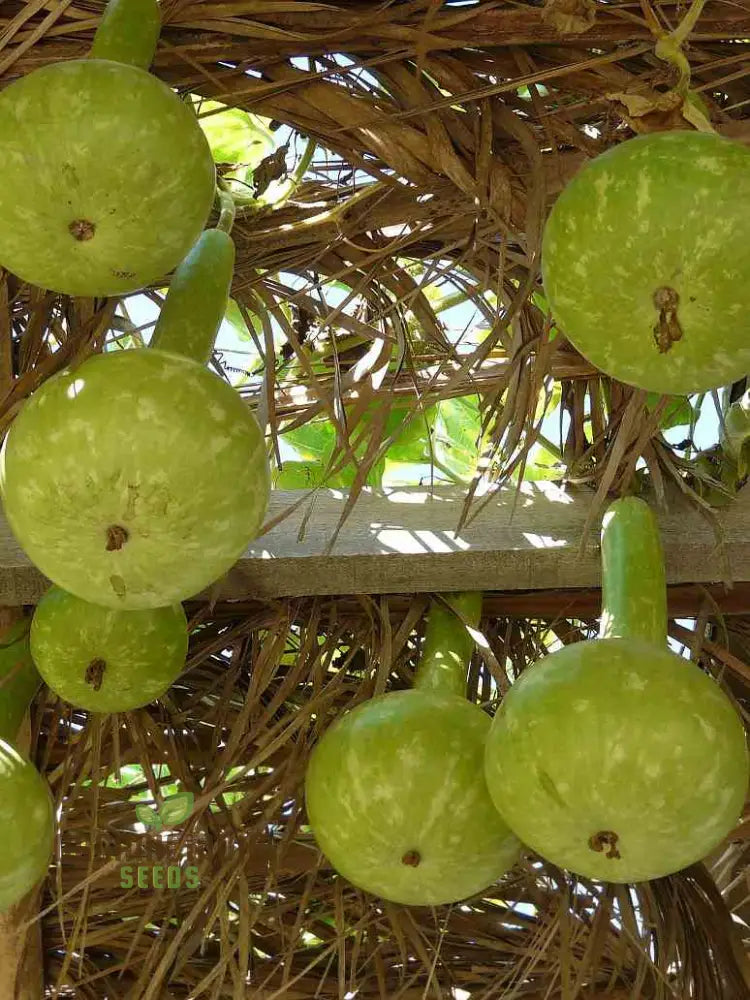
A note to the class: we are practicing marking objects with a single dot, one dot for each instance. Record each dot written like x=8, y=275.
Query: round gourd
x=104, y=660
x=19, y=680
x=135, y=479
x=395, y=792
x=27, y=822
x=615, y=757
x=646, y=261
x=106, y=178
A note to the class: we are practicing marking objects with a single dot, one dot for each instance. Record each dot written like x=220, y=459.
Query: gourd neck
x=634, y=593
x=128, y=32
x=448, y=645
x=197, y=298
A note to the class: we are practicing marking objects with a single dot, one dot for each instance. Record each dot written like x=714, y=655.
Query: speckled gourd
x=395, y=790
x=106, y=178
x=615, y=757
x=137, y=478
x=646, y=261
x=105, y=660
x=27, y=822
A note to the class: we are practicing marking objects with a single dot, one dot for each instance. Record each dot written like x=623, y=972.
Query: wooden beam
x=684, y=600
x=404, y=541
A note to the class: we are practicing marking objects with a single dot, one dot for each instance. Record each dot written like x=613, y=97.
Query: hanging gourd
x=395, y=790
x=106, y=178
x=615, y=757
x=104, y=660
x=646, y=261
x=137, y=478
x=19, y=680
x=27, y=822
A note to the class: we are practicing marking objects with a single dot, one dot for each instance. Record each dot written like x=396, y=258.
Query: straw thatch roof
x=439, y=135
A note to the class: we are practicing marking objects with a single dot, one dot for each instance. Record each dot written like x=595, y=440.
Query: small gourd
x=646, y=261
x=395, y=790
x=104, y=660
x=106, y=178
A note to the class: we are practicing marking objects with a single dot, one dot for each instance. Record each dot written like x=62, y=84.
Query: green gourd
x=646, y=261
x=106, y=178
x=19, y=680
x=27, y=822
x=138, y=478
x=615, y=757
x=104, y=660
x=395, y=792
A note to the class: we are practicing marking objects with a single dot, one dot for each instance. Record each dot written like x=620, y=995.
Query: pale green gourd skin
x=668, y=209
x=400, y=773
x=145, y=440
x=144, y=651
x=618, y=735
x=106, y=142
x=27, y=822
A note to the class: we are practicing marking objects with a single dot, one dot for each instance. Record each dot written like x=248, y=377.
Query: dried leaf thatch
x=437, y=135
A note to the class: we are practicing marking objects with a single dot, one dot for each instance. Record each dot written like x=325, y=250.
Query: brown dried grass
x=270, y=919
x=461, y=183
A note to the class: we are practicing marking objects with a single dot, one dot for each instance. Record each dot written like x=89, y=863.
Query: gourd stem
x=688, y=22
x=634, y=593
x=669, y=46
x=448, y=645
x=227, y=210
x=128, y=32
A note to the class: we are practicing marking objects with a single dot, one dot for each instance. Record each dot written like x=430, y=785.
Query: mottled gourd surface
x=104, y=660
x=646, y=261
x=136, y=479
x=398, y=803
x=27, y=822
x=106, y=178
x=19, y=679
x=618, y=760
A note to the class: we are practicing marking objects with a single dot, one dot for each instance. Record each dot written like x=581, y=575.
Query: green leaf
x=131, y=774
x=234, y=317
x=235, y=136
x=676, y=413
x=457, y=432
x=305, y=476
x=148, y=816
x=314, y=441
x=542, y=465
x=412, y=445
x=177, y=808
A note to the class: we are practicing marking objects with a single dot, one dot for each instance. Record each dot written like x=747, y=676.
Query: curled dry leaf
x=649, y=111
x=570, y=17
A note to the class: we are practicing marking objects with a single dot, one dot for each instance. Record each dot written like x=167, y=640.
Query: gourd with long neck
x=106, y=178
x=137, y=478
x=615, y=757
x=395, y=789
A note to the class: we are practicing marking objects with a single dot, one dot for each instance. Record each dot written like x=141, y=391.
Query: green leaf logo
x=176, y=808
x=148, y=816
